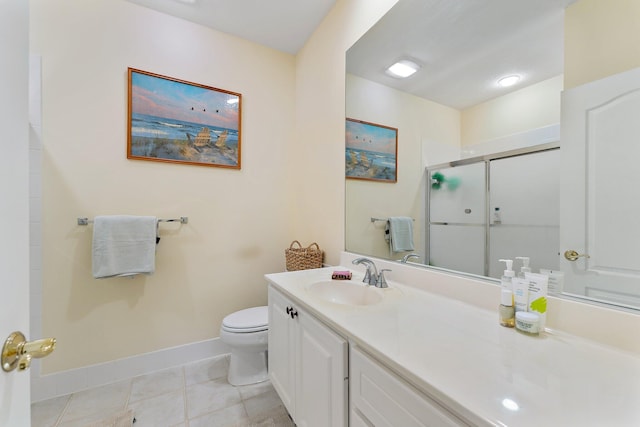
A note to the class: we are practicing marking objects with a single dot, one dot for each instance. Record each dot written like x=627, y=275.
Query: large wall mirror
x=454, y=117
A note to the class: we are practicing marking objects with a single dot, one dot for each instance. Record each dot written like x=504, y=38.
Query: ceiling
x=464, y=46
x=284, y=25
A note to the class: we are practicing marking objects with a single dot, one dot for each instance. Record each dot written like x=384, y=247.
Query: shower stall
x=486, y=208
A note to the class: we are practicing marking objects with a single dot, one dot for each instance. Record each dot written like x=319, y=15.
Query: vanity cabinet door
x=380, y=398
x=307, y=365
x=322, y=380
x=281, y=356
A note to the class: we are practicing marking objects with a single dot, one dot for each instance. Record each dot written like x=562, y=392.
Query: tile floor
x=193, y=395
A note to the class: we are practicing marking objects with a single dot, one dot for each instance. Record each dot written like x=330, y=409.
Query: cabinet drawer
x=383, y=399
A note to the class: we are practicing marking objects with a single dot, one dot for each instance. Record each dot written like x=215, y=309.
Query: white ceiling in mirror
x=284, y=25
x=461, y=47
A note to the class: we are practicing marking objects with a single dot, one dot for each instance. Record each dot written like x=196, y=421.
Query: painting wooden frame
x=175, y=121
x=371, y=151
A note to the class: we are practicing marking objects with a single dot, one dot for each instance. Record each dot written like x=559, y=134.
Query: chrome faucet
x=371, y=276
x=408, y=257
x=382, y=281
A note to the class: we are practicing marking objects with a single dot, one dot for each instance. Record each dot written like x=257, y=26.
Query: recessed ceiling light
x=508, y=80
x=403, y=69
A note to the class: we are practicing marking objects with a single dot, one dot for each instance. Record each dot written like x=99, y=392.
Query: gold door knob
x=17, y=352
x=24, y=362
x=572, y=255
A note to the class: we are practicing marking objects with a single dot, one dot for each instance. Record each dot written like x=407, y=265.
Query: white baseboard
x=45, y=387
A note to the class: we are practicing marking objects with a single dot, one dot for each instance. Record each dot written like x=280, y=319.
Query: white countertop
x=458, y=354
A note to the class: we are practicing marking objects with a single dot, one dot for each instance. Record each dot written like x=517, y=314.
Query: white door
x=600, y=191
x=14, y=199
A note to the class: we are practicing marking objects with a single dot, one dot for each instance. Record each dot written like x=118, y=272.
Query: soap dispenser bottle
x=506, y=309
x=508, y=275
x=525, y=266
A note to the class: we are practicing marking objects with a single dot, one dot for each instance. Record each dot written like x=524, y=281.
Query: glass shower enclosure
x=486, y=208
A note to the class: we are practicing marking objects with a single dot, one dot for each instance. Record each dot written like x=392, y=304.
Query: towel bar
x=383, y=219
x=182, y=220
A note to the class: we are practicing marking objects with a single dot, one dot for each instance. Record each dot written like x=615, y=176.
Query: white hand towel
x=400, y=233
x=123, y=245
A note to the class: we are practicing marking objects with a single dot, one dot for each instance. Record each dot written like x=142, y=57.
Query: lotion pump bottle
x=506, y=311
x=525, y=266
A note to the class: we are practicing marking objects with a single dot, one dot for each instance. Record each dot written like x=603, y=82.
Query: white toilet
x=246, y=334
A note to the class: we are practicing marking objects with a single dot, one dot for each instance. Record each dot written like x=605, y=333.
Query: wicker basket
x=303, y=258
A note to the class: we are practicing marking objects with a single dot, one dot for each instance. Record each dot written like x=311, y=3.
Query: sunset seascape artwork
x=371, y=151
x=172, y=120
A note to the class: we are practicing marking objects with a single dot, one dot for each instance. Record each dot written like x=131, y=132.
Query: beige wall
x=238, y=222
x=532, y=107
x=601, y=39
x=428, y=133
x=318, y=162
x=291, y=185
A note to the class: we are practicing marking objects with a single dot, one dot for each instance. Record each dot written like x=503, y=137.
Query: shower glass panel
x=525, y=189
x=457, y=218
x=491, y=207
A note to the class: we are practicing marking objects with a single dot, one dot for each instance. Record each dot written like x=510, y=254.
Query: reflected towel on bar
x=123, y=245
x=400, y=233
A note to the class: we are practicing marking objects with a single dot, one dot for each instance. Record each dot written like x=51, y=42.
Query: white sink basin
x=346, y=292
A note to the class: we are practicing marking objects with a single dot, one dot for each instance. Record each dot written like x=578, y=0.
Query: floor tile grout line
x=184, y=396
x=72, y=396
x=128, y=399
x=66, y=405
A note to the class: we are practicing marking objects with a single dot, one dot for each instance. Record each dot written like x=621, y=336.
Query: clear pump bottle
x=507, y=275
x=497, y=218
x=525, y=266
x=506, y=309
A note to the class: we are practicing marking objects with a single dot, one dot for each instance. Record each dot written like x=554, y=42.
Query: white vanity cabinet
x=380, y=398
x=307, y=365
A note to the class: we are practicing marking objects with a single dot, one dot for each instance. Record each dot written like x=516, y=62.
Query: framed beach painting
x=175, y=121
x=371, y=151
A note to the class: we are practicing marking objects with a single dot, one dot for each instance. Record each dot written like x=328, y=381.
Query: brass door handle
x=572, y=255
x=17, y=352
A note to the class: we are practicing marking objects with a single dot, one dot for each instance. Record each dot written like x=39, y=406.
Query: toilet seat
x=253, y=319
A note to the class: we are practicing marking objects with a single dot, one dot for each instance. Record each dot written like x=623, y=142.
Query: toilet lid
x=248, y=320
